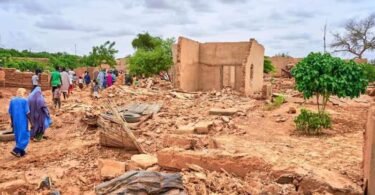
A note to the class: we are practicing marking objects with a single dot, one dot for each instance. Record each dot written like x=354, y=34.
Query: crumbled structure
x=13, y=78
x=213, y=66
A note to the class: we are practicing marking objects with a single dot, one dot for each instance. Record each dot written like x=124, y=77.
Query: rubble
x=224, y=112
x=110, y=169
x=144, y=161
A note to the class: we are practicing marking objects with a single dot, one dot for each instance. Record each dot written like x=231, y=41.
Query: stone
x=180, y=141
x=281, y=119
x=154, y=168
x=144, y=160
x=225, y=119
x=187, y=129
x=292, y=110
x=203, y=127
x=267, y=92
x=212, y=160
x=110, y=169
x=11, y=187
x=223, y=112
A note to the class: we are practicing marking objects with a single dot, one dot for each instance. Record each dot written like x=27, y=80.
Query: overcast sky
x=292, y=26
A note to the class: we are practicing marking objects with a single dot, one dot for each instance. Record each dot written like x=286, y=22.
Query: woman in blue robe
x=39, y=114
x=19, y=113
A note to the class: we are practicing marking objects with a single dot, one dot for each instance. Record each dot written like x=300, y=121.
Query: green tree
x=323, y=75
x=148, y=61
x=146, y=42
x=268, y=67
x=104, y=53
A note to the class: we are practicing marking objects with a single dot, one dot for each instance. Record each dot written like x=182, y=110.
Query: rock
x=187, y=129
x=212, y=160
x=224, y=112
x=281, y=119
x=144, y=160
x=10, y=187
x=203, y=127
x=267, y=92
x=154, y=168
x=180, y=141
x=371, y=92
x=225, y=119
x=292, y=110
x=110, y=169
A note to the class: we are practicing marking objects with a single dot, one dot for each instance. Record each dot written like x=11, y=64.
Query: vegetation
x=323, y=75
x=104, y=53
x=283, y=55
x=359, y=37
x=277, y=102
x=312, y=123
x=268, y=67
x=369, y=70
x=152, y=55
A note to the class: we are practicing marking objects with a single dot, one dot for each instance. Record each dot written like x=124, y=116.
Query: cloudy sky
x=288, y=26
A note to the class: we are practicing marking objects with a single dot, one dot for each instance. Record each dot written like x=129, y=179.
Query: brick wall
x=23, y=79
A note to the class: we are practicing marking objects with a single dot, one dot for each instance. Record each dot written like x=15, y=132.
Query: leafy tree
x=268, y=67
x=148, y=61
x=146, y=42
x=323, y=75
x=359, y=37
x=103, y=54
x=369, y=70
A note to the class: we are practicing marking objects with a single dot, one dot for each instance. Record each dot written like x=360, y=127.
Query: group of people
x=24, y=110
x=105, y=78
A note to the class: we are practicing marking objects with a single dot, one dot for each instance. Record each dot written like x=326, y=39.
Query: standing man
x=87, y=79
x=35, y=79
x=55, y=81
x=65, y=83
x=20, y=115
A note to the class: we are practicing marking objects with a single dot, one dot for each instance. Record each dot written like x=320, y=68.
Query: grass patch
x=311, y=123
x=277, y=102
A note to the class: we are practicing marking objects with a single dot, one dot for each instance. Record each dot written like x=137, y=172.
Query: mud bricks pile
x=23, y=79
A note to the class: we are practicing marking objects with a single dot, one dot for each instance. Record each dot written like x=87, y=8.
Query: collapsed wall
x=213, y=66
x=12, y=78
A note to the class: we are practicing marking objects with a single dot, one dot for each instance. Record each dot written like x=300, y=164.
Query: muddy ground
x=295, y=164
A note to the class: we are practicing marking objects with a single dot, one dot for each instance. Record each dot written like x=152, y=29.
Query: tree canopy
x=152, y=55
x=323, y=75
x=358, y=38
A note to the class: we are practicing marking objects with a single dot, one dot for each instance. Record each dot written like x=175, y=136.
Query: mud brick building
x=12, y=78
x=213, y=66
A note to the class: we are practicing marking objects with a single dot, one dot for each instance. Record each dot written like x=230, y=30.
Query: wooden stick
x=125, y=127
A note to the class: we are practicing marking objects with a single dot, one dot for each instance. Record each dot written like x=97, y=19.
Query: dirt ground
x=328, y=163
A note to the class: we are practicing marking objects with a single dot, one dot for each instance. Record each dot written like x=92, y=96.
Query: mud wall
x=369, y=151
x=81, y=71
x=254, y=68
x=23, y=79
x=281, y=63
x=219, y=54
x=187, y=69
x=212, y=66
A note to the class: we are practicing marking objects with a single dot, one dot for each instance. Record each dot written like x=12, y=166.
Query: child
x=95, y=89
x=56, y=97
x=80, y=83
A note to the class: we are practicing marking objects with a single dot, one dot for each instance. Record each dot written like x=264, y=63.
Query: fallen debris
x=144, y=161
x=225, y=112
x=135, y=182
x=110, y=169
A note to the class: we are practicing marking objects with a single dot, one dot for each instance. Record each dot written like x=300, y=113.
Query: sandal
x=18, y=155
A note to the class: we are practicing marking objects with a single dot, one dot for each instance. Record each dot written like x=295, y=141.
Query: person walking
x=87, y=79
x=109, y=79
x=35, y=79
x=39, y=114
x=20, y=115
x=101, y=78
x=65, y=83
x=55, y=79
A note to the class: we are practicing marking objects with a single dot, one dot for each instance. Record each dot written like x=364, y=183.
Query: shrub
x=312, y=123
x=369, y=70
x=277, y=102
x=323, y=75
x=268, y=67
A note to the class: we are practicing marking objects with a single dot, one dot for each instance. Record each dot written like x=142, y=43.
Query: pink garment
x=109, y=79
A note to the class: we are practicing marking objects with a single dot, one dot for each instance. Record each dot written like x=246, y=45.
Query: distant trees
x=152, y=55
x=358, y=38
x=268, y=67
x=104, y=53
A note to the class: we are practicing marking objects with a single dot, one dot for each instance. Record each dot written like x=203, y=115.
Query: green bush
x=268, y=67
x=277, y=102
x=25, y=65
x=369, y=70
x=312, y=123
